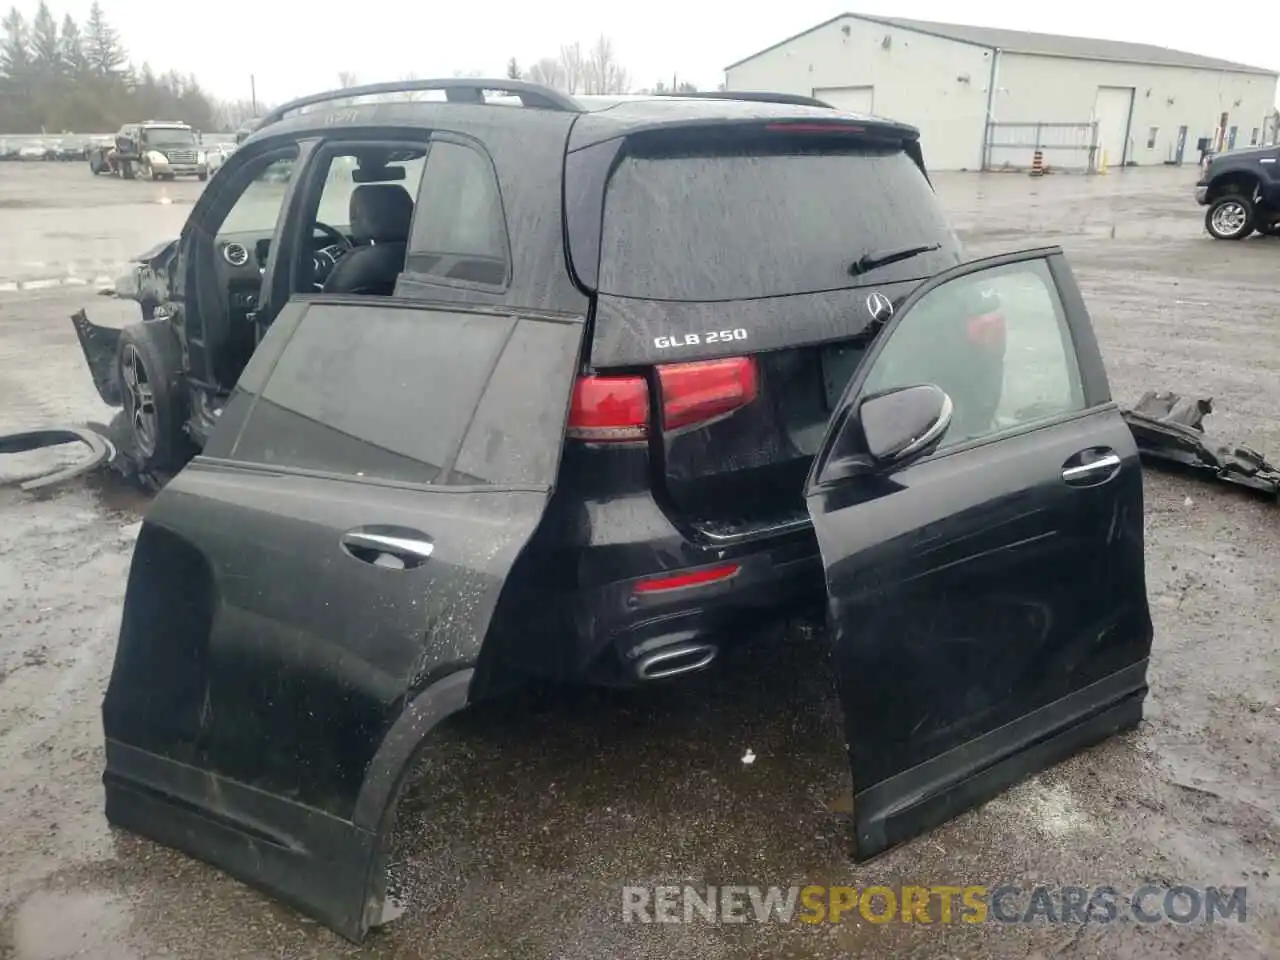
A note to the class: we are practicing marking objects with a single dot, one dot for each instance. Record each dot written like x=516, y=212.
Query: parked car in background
x=34, y=150
x=8, y=150
x=71, y=148
x=1241, y=189
x=217, y=153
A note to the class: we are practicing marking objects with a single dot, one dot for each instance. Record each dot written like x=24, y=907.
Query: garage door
x=1112, y=110
x=848, y=99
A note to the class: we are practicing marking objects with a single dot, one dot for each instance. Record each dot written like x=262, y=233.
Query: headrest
x=381, y=212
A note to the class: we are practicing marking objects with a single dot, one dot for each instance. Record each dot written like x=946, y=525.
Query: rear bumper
x=1202, y=194
x=588, y=613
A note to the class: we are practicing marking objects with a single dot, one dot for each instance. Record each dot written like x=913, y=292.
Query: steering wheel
x=327, y=256
x=338, y=238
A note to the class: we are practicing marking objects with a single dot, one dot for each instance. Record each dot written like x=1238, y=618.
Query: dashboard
x=242, y=259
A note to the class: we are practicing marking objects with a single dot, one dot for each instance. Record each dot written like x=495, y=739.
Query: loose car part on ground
x=1170, y=431
x=100, y=451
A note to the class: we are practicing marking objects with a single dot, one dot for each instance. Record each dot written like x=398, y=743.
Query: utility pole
x=253, y=93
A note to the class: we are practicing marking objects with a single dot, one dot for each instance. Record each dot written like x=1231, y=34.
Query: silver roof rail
x=456, y=89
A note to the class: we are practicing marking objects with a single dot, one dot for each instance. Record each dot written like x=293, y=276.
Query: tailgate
x=744, y=277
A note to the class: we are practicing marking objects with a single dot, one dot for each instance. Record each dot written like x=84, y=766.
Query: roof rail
x=758, y=96
x=457, y=90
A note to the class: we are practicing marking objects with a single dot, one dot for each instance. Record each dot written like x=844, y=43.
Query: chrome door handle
x=1102, y=468
x=397, y=551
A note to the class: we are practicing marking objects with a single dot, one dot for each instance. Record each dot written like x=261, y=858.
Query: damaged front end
x=149, y=280
x=148, y=284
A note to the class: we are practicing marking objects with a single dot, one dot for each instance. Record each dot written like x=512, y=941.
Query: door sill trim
x=950, y=784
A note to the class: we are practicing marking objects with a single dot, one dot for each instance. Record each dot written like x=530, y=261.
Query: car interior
x=360, y=232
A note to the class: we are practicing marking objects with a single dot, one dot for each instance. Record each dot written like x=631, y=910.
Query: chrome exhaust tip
x=675, y=660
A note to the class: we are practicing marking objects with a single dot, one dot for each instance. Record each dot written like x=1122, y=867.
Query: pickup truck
x=1241, y=189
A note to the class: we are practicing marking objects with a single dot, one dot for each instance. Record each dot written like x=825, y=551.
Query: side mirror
x=904, y=424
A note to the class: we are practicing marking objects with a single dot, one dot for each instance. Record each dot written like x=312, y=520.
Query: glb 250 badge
x=697, y=339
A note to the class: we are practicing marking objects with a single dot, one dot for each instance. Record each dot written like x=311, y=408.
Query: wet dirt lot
x=528, y=819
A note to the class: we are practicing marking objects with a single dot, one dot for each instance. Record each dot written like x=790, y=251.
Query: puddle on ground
x=58, y=925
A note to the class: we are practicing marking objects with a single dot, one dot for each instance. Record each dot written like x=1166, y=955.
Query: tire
x=1230, y=217
x=202, y=177
x=152, y=388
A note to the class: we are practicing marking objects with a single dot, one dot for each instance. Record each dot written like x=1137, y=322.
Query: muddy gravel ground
x=528, y=819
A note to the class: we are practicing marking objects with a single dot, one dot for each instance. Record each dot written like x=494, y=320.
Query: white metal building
x=986, y=98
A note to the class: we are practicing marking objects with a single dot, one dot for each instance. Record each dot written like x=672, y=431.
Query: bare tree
x=410, y=94
x=572, y=67
x=347, y=79
x=547, y=72
x=601, y=72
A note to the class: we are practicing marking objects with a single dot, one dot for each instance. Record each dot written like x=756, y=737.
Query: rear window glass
x=737, y=224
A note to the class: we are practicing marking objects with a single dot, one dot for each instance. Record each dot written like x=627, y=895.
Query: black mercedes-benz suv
x=521, y=383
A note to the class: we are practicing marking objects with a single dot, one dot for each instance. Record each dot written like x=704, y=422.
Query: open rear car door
x=313, y=594
x=978, y=503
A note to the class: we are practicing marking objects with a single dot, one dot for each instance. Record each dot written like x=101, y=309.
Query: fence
x=1064, y=146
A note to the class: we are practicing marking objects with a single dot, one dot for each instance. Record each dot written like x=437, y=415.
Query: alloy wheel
x=139, y=400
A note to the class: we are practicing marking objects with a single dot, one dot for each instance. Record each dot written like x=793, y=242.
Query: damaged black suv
x=516, y=383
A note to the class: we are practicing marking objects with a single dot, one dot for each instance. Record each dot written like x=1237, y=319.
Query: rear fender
x=99, y=345
x=331, y=869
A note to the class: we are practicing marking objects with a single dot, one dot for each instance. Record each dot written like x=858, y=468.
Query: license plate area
x=839, y=363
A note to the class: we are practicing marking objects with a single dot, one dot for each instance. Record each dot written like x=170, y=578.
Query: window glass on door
x=373, y=391
x=996, y=341
x=258, y=207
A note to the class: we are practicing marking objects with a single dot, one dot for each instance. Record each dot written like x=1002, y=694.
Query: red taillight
x=616, y=409
x=689, y=578
x=986, y=330
x=609, y=409
x=697, y=393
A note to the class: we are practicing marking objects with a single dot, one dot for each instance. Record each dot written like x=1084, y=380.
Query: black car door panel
x=988, y=598
x=297, y=603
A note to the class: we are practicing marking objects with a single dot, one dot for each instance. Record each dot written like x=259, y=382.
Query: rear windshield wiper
x=882, y=258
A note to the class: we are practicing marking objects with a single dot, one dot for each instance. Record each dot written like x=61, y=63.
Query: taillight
x=697, y=393
x=613, y=409
x=609, y=409
x=986, y=330
x=689, y=578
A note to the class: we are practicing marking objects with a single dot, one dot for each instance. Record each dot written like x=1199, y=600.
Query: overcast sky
x=294, y=47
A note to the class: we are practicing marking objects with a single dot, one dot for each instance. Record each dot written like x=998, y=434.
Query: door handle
x=1080, y=472
x=401, y=550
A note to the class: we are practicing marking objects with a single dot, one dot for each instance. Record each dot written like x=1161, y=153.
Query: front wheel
x=1230, y=217
x=149, y=368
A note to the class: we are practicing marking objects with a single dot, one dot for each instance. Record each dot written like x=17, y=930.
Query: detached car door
x=978, y=504
x=311, y=595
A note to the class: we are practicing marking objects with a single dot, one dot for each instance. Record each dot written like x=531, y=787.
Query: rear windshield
x=738, y=224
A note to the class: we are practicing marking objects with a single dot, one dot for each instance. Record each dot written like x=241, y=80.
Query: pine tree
x=102, y=44
x=15, y=51
x=513, y=69
x=46, y=51
x=72, y=47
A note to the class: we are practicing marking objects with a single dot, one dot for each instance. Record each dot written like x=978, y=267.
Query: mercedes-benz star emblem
x=879, y=306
